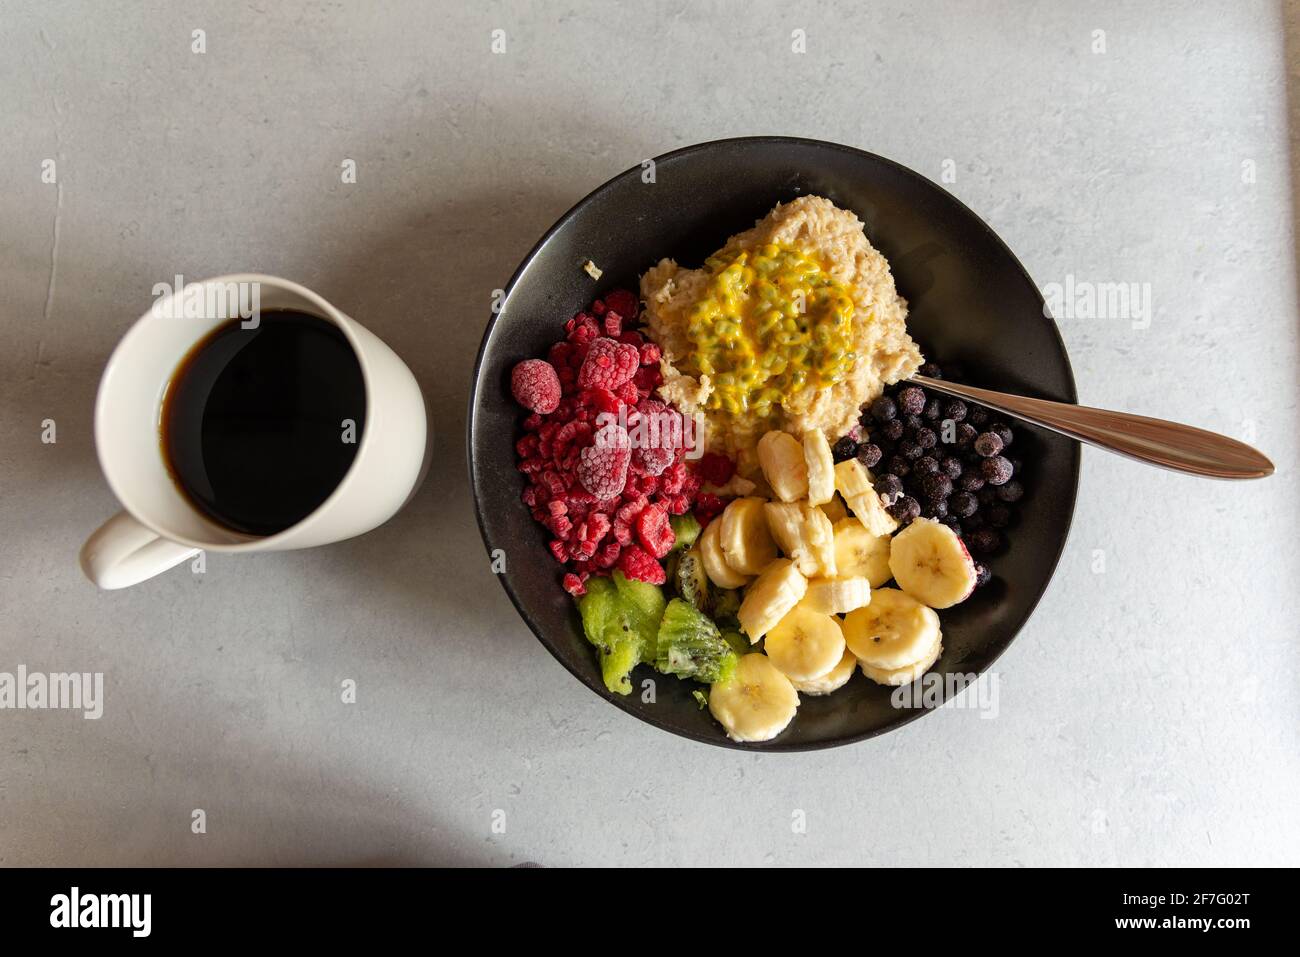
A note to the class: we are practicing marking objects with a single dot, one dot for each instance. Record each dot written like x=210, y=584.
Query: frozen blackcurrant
x=869, y=454
x=996, y=470
x=844, y=449
x=988, y=444
x=1012, y=491
x=905, y=509
x=884, y=409
x=888, y=486
x=911, y=399
x=963, y=504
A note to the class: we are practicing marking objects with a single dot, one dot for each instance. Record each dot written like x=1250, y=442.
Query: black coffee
x=260, y=425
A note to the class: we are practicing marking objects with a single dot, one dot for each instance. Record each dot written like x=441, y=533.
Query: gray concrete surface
x=1148, y=715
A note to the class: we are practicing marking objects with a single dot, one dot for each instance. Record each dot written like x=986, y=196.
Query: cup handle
x=122, y=552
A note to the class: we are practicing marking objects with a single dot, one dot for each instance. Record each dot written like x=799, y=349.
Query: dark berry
x=884, y=409
x=892, y=430
x=913, y=422
x=984, y=540
x=925, y=465
x=987, y=495
x=996, y=471
x=869, y=454
x=911, y=399
x=937, y=487
x=978, y=416
x=926, y=438
x=951, y=467
x=955, y=409
x=970, y=482
x=1013, y=491
x=963, y=504
x=966, y=434
x=988, y=444
x=932, y=370
x=1002, y=431
x=982, y=574
x=905, y=509
x=897, y=465
x=888, y=486
x=844, y=449
x=951, y=521
x=933, y=410
x=999, y=516
x=935, y=509
x=911, y=450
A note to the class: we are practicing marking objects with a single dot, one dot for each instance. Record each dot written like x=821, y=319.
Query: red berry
x=636, y=563
x=623, y=302
x=714, y=468
x=608, y=365
x=650, y=354
x=654, y=531
x=574, y=585
x=613, y=323
x=602, y=468
x=535, y=385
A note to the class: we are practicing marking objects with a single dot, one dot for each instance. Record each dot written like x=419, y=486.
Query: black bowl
x=970, y=302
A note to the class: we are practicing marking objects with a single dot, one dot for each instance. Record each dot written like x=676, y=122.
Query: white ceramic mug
x=159, y=527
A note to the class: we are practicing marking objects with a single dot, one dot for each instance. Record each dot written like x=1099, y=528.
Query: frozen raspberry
x=707, y=507
x=613, y=323
x=650, y=354
x=636, y=563
x=623, y=302
x=715, y=468
x=574, y=585
x=602, y=467
x=535, y=385
x=652, y=460
x=608, y=365
x=654, y=531
x=628, y=392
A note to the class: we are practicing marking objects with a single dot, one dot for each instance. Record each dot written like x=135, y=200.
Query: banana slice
x=715, y=563
x=780, y=456
x=785, y=520
x=805, y=644
x=894, y=631
x=852, y=479
x=837, y=596
x=931, y=564
x=908, y=673
x=835, y=509
x=756, y=703
x=859, y=553
x=770, y=598
x=821, y=467
x=833, y=680
x=804, y=534
x=870, y=511
x=744, y=539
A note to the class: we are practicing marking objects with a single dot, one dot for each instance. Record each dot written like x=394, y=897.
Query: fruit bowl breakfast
x=729, y=510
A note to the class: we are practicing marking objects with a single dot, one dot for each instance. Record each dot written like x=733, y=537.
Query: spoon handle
x=1169, y=445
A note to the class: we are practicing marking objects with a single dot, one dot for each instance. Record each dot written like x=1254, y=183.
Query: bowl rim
x=476, y=383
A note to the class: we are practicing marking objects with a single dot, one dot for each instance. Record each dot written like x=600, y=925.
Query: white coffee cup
x=159, y=527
